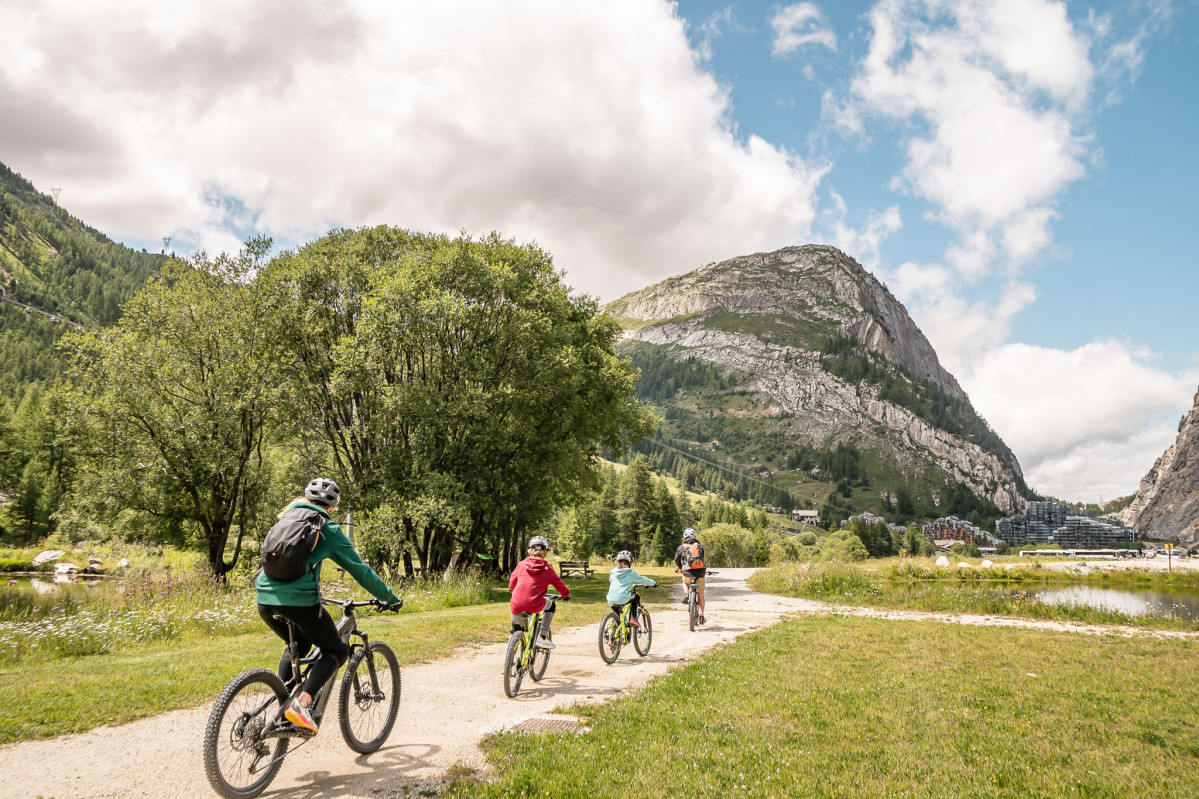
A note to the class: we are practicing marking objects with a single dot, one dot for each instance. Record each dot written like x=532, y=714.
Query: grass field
x=45, y=697
x=834, y=706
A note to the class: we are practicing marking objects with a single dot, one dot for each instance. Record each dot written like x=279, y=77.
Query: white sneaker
x=544, y=643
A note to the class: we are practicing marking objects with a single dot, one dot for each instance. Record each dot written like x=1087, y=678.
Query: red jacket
x=530, y=579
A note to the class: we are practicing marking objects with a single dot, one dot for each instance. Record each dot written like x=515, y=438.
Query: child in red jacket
x=530, y=579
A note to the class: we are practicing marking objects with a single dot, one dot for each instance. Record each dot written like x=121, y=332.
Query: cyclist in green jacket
x=299, y=601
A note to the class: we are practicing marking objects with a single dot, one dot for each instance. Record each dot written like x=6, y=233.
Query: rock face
x=1167, y=502
x=767, y=316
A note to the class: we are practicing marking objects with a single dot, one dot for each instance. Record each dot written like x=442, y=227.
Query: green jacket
x=305, y=591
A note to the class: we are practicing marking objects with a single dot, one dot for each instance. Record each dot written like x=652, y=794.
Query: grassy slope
x=829, y=706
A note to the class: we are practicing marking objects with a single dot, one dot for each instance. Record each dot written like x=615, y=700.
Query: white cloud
x=860, y=243
x=990, y=95
x=713, y=28
x=798, y=25
x=590, y=129
x=1085, y=422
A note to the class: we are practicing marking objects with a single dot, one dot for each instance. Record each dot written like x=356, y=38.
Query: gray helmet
x=323, y=490
x=624, y=555
x=539, y=541
x=688, y=534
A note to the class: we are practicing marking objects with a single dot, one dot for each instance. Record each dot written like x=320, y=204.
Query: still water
x=1173, y=605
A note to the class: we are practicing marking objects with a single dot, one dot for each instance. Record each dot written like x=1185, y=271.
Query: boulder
x=943, y=561
x=48, y=556
x=95, y=562
x=964, y=565
x=66, y=568
x=986, y=564
x=123, y=563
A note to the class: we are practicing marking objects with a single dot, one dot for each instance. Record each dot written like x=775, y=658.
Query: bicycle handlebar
x=346, y=604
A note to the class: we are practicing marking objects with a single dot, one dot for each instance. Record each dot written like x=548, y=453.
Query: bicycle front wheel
x=643, y=638
x=239, y=759
x=513, y=671
x=540, y=659
x=609, y=638
x=367, y=715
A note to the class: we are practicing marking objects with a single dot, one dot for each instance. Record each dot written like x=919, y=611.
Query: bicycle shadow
x=562, y=686
x=389, y=769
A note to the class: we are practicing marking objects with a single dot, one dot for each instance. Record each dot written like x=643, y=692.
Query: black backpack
x=289, y=542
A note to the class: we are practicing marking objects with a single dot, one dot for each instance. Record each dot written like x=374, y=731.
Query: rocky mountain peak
x=828, y=352
x=1167, y=502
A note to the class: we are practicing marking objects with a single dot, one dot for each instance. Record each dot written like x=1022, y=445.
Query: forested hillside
x=55, y=271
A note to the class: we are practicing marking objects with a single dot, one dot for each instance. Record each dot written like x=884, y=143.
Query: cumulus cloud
x=798, y=25
x=590, y=129
x=1086, y=422
x=863, y=242
x=990, y=94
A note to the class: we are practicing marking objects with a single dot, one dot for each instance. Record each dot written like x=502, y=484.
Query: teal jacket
x=306, y=591
x=621, y=582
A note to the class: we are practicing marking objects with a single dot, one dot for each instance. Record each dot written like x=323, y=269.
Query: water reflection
x=1131, y=603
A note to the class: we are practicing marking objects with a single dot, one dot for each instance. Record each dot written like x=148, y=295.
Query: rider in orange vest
x=689, y=559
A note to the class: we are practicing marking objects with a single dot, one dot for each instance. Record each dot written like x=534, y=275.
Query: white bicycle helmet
x=323, y=491
x=688, y=534
x=624, y=555
x=539, y=541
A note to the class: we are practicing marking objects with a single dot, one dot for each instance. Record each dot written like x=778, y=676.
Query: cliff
x=1167, y=501
x=825, y=349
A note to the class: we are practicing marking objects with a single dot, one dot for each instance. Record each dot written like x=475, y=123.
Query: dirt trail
x=447, y=708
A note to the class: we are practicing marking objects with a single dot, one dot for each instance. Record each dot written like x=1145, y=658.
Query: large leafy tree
x=180, y=395
x=457, y=381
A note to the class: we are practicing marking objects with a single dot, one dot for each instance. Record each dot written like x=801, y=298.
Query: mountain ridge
x=1166, y=504
x=828, y=353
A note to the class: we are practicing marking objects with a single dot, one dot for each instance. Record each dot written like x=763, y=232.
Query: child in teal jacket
x=620, y=586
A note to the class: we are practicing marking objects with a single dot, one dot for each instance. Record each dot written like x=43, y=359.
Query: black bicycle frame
x=347, y=626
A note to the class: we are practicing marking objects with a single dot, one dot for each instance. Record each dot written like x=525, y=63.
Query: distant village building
x=951, y=528
x=1054, y=523
x=809, y=516
x=870, y=518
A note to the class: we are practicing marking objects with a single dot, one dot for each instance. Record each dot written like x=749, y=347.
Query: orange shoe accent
x=298, y=716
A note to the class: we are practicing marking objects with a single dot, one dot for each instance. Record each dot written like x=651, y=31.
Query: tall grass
x=944, y=590
x=162, y=606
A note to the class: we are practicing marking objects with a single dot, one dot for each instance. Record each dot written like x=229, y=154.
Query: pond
x=1171, y=604
x=1135, y=602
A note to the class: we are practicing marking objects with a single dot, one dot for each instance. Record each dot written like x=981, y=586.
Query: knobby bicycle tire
x=692, y=608
x=643, y=638
x=512, y=669
x=242, y=735
x=359, y=713
x=609, y=638
x=540, y=660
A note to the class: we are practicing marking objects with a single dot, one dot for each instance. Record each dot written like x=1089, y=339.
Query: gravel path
x=448, y=707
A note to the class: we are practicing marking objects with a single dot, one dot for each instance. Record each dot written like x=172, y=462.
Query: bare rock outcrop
x=1167, y=502
x=767, y=315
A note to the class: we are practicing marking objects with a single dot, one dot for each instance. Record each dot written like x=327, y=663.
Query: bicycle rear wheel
x=238, y=760
x=644, y=637
x=609, y=638
x=513, y=672
x=366, y=717
x=692, y=609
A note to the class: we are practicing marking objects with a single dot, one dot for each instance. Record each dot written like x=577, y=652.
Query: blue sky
x=1019, y=174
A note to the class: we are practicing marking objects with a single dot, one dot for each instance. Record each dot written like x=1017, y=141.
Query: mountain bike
x=693, y=602
x=616, y=630
x=522, y=657
x=247, y=736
